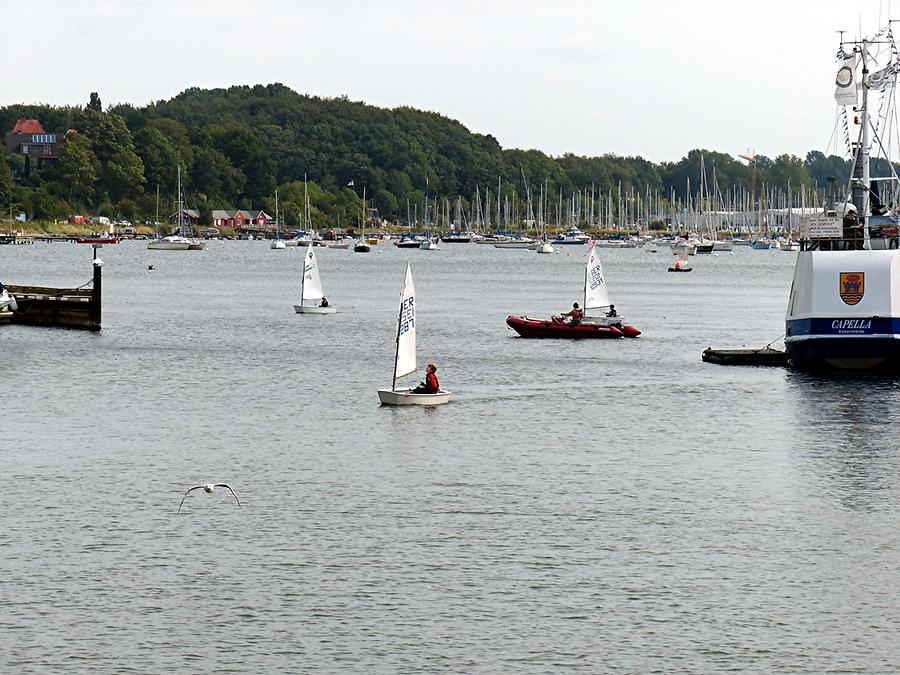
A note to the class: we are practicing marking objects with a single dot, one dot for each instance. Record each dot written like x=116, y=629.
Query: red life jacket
x=431, y=383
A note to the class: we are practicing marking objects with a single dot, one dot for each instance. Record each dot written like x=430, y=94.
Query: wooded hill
x=236, y=145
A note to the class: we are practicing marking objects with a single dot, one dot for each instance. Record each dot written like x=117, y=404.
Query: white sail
x=406, y=328
x=312, y=284
x=596, y=294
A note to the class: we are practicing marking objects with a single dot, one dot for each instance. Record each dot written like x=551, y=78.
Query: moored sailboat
x=176, y=241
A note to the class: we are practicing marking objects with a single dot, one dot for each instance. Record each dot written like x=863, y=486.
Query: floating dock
x=59, y=307
x=765, y=356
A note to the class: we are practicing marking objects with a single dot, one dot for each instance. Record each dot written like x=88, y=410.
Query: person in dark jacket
x=430, y=385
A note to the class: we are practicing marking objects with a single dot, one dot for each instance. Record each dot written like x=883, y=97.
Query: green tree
x=159, y=157
x=246, y=152
x=124, y=175
x=78, y=166
x=788, y=168
x=95, y=103
x=205, y=211
x=6, y=187
x=213, y=175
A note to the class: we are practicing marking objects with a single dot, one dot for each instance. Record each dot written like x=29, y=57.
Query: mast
x=864, y=149
x=498, y=202
x=180, y=207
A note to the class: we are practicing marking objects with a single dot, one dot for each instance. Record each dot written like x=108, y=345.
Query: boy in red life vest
x=430, y=385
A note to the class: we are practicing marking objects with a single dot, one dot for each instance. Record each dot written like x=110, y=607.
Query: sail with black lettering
x=406, y=329
x=596, y=294
x=312, y=283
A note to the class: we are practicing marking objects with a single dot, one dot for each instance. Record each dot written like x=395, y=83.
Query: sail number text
x=407, y=315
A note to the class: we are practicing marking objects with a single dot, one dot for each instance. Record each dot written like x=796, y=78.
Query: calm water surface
x=579, y=506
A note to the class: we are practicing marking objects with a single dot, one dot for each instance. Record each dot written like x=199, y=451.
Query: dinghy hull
x=406, y=397
x=539, y=328
x=301, y=309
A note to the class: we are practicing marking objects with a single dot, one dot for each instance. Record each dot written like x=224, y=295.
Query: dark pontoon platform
x=765, y=356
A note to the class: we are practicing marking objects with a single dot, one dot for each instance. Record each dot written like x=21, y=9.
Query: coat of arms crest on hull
x=852, y=287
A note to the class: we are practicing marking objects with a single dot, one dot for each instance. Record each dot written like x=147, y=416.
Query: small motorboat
x=97, y=239
x=429, y=244
x=529, y=327
x=409, y=241
x=457, y=237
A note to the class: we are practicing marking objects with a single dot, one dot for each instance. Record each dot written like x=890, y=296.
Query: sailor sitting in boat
x=324, y=302
x=612, y=311
x=430, y=385
x=574, y=316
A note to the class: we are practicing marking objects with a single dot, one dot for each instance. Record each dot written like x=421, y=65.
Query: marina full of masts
x=707, y=211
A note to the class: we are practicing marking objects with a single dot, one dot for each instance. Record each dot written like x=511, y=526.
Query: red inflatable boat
x=540, y=328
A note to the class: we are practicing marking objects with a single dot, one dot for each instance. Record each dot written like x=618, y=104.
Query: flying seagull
x=208, y=488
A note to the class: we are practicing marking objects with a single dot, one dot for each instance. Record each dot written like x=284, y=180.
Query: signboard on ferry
x=822, y=227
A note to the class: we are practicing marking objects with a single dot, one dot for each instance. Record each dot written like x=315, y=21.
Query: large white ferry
x=844, y=306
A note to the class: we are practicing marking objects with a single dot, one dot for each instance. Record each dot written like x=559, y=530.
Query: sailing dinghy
x=405, y=354
x=597, y=307
x=311, y=287
x=680, y=263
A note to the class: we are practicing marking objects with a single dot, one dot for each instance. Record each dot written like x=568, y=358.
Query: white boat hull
x=310, y=309
x=169, y=245
x=514, y=244
x=406, y=397
x=278, y=244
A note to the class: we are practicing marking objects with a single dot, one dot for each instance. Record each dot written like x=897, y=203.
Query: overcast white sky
x=630, y=77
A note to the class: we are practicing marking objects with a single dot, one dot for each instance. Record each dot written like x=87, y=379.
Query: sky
x=630, y=77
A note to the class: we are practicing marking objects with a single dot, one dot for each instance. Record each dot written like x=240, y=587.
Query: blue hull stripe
x=868, y=327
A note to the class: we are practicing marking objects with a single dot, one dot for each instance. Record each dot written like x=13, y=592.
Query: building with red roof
x=29, y=138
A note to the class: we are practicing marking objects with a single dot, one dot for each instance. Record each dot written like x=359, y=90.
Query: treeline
x=236, y=145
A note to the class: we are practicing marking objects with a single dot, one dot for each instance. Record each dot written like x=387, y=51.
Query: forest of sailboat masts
x=735, y=209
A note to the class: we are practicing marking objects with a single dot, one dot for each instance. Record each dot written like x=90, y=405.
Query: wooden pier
x=59, y=307
x=17, y=239
x=14, y=239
